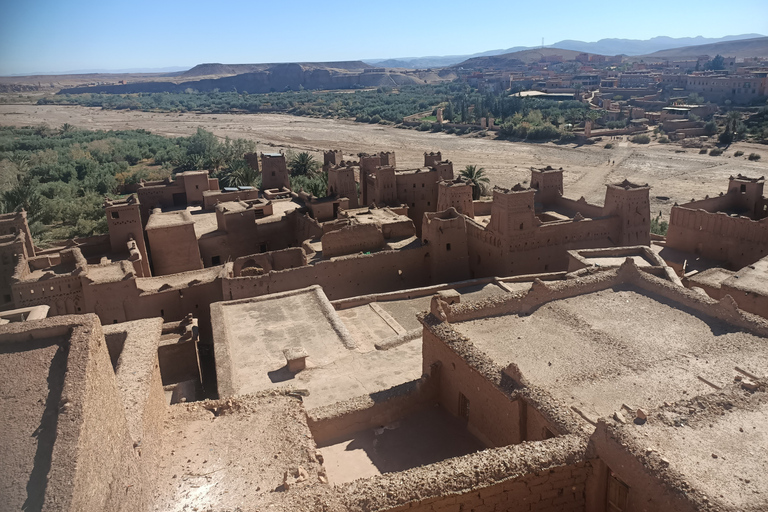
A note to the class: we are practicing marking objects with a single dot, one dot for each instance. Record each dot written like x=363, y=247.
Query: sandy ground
x=675, y=174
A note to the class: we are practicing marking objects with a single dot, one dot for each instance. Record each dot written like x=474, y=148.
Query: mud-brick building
x=731, y=228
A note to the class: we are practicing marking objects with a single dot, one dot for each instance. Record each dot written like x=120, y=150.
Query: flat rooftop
x=619, y=346
x=251, y=334
x=752, y=278
x=716, y=442
x=386, y=318
x=232, y=454
x=168, y=219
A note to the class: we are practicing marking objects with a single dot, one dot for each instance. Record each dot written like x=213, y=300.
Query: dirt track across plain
x=675, y=174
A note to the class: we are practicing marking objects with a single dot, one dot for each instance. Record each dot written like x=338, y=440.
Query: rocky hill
x=276, y=77
x=757, y=47
x=508, y=60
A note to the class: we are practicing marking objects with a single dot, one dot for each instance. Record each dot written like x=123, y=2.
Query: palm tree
x=476, y=176
x=302, y=164
x=21, y=162
x=241, y=175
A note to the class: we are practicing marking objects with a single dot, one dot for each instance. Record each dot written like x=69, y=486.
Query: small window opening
x=743, y=189
x=447, y=247
x=115, y=215
x=216, y=260
x=463, y=406
x=162, y=312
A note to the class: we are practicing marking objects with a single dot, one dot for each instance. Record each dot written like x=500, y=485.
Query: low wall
x=346, y=276
x=548, y=475
x=339, y=420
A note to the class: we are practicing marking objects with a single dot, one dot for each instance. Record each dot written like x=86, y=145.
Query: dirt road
x=675, y=174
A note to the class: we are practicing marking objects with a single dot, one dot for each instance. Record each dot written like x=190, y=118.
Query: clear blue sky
x=51, y=36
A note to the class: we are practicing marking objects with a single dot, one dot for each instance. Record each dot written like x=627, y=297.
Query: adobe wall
x=419, y=190
x=304, y=226
x=546, y=476
x=646, y=490
x=14, y=223
x=174, y=249
x=560, y=489
x=339, y=420
x=93, y=466
x=141, y=388
x=494, y=417
x=736, y=241
x=62, y=292
x=107, y=464
x=160, y=195
x=713, y=204
x=12, y=252
x=211, y=197
x=750, y=301
x=227, y=246
x=341, y=182
x=276, y=260
x=445, y=237
x=538, y=249
x=175, y=303
x=274, y=172
x=195, y=183
x=631, y=204
x=581, y=206
x=345, y=276
x=352, y=239
x=124, y=224
x=458, y=196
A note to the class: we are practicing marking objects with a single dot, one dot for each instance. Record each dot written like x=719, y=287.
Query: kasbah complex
x=394, y=346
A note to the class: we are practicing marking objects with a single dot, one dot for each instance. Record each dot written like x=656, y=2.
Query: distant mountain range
x=757, y=47
x=629, y=47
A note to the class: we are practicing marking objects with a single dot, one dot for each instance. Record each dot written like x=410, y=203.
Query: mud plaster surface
x=422, y=438
x=618, y=346
x=31, y=381
x=233, y=459
x=259, y=331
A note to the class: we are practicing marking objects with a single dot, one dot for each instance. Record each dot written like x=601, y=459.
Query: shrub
x=658, y=226
x=425, y=126
x=609, y=146
x=738, y=153
x=703, y=151
x=663, y=139
x=567, y=137
x=641, y=139
x=725, y=138
x=715, y=152
x=754, y=157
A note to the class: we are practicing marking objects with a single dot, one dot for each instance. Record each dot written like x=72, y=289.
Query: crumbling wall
x=558, y=489
x=352, y=239
x=545, y=476
x=266, y=262
x=646, y=490
x=346, y=276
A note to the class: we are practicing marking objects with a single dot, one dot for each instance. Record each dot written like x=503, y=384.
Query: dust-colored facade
x=265, y=347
